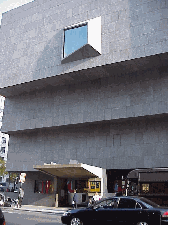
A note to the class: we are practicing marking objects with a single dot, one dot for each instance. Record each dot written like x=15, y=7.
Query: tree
x=3, y=171
x=12, y=176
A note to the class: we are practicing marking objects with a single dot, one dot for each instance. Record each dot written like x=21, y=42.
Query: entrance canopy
x=70, y=170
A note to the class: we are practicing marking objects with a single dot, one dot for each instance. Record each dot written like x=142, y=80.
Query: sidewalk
x=34, y=208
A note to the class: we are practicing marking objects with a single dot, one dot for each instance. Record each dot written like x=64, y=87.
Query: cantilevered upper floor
x=59, y=38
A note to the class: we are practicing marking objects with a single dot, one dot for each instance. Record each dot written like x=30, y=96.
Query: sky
x=6, y=5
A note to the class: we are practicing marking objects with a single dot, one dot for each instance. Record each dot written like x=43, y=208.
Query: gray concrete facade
x=128, y=144
x=108, y=111
x=31, y=36
x=137, y=94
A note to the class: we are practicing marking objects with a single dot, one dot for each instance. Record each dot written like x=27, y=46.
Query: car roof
x=127, y=197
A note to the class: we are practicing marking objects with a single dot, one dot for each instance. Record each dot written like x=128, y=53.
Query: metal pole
x=138, y=188
x=9, y=179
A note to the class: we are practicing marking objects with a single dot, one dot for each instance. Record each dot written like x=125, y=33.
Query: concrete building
x=4, y=139
x=86, y=88
x=2, y=100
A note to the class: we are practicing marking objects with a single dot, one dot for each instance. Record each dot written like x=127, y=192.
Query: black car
x=118, y=210
x=2, y=219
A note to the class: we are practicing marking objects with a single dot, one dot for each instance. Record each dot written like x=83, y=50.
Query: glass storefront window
x=145, y=188
x=44, y=187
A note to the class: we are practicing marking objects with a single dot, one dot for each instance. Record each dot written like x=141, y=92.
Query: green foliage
x=12, y=176
x=3, y=171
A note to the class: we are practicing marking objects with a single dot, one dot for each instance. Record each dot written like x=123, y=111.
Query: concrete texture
x=128, y=144
x=115, y=97
x=108, y=111
x=31, y=36
x=31, y=198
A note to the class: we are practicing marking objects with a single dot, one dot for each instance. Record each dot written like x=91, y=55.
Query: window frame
x=43, y=186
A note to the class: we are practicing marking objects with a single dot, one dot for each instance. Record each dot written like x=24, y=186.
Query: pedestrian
x=74, y=202
x=90, y=202
x=20, y=197
x=96, y=197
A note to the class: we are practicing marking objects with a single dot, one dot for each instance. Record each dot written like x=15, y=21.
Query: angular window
x=74, y=38
x=82, y=40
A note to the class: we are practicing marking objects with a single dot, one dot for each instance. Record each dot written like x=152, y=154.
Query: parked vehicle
x=2, y=199
x=3, y=186
x=9, y=202
x=2, y=189
x=118, y=210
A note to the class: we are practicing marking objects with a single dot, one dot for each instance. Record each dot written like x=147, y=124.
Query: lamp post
x=123, y=186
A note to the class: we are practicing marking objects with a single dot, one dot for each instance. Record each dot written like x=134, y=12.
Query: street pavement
x=20, y=217
x=33, y=208
x=33, y=215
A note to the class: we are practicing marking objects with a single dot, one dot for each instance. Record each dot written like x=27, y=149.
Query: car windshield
x=149, y=203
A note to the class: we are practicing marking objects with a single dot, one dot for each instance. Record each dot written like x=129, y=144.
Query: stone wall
x=126, y=144
x=116, y=97
x=31, y=36
x=31, y=198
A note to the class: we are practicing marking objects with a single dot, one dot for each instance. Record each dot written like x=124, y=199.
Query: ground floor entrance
x=65, y=179
x=54, y=185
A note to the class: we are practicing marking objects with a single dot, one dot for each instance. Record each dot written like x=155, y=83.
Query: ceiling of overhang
x=66, y=171
x=129, y=66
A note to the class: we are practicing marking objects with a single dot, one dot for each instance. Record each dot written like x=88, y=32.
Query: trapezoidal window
x=82, y=40
x=74, y=38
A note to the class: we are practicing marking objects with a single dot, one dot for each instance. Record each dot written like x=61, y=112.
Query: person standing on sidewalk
x=20, y=197
x=96, y=197
x=74, y=203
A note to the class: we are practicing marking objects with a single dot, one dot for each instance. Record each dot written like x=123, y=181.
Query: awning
x=149, y=175
x=70, y=170
x=154, y=177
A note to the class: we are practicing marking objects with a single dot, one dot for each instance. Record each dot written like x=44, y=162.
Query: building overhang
x=118, y=68
x=79, y=170
x=149, y=175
